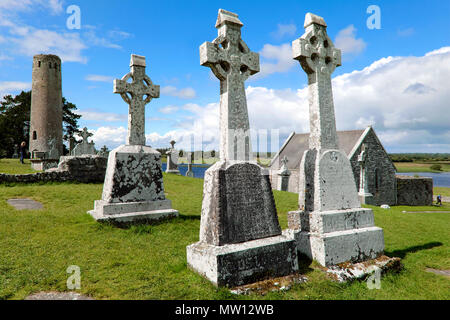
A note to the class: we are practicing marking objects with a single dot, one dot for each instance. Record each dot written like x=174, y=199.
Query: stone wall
x=85, y=169
x=380, y=171
x=414, y=191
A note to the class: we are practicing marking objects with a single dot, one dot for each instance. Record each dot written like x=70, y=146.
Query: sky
x=395, y=72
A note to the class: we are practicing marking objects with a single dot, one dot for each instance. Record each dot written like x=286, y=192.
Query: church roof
x=297, y=144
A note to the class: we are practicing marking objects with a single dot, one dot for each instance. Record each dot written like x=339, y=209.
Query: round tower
x=46, y=108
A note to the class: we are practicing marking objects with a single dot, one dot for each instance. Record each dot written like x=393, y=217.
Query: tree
x=15, y=121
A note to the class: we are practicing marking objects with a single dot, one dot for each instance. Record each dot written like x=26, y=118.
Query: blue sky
x=394, y=78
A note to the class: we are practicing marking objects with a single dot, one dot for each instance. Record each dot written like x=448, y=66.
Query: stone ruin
x=331, y=227
x=133, y=190
x=240, y=237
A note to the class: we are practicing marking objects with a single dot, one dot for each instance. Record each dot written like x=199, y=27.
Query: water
x=199, y=171
x=439, y=179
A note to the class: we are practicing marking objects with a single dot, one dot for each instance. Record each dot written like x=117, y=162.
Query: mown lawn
x=149, y=262
x=13, y=166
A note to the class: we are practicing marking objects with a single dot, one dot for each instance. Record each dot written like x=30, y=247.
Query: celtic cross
x=319, y=58
x=232, y=63
x=137, y=94
x=85, y=134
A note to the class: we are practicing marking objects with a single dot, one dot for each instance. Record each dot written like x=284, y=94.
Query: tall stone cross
x=319, y=58
x=232, y=63
x=85, y=135
x=137, y=94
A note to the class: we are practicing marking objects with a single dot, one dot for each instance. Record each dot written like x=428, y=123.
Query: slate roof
x=299, y=143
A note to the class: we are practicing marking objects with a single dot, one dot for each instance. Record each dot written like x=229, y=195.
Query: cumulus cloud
x=110, y=136
x=185, y=93
x=168, y=109
x=97, y=115
x=346, y=41
x=403, y=98
x=275, y=59
x=10, y=87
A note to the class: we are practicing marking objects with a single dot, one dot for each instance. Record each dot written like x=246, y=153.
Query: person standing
x=439, y=200
x=22, y=151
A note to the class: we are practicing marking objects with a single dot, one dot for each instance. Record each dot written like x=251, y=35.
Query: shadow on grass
x=304, y=264
x=402, y=253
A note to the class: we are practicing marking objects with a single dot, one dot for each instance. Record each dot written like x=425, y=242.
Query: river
x=439, y=179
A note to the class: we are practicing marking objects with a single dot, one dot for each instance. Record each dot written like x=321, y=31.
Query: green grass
x=149, y=262
x=442, y=191
x=13, y=166
x=421, y=166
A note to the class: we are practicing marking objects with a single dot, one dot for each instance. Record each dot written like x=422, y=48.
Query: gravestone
x=240, y=237
x=283, y=175
x=134, y=190
x=172, y=159
x=84, y=147
x=331, y=226
x=365, y=196
x=104, y=152
x=189, y=172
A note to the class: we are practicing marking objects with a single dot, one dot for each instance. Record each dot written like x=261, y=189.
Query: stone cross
x=137, y=94
x=85, y=135
x=319, y=58
x=363, y=188
x=284, y=163
x=232, y=63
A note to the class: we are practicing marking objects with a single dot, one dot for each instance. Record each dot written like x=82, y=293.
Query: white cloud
x=99, y=78
x=404, y=98
x=55, y=6
x=185, y=93
x=168, y=109
x=282, y=57
x=68, y=46
x=112, y=137
x=96, y=115
x=284, y=30
x=346, y=41
x=10, y=87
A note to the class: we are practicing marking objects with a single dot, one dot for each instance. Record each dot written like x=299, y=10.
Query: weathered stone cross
x=140, y=86
x=232, y=63
x=319, y=58
x=85, y=135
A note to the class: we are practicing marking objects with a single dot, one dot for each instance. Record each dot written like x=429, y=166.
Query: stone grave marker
x=172, y=159
x=240, y=237
x=331, y=226
x=84, y=147
x=189, y=172
x=283, y=175
x=134, y=190
x=364, y=195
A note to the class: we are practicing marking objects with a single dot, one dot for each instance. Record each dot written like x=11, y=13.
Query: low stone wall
x=84, y=169
x=414, y=191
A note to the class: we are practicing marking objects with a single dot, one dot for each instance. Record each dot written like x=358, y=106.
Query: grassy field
x=13, y=166
x=149, y=262
x=421, y=166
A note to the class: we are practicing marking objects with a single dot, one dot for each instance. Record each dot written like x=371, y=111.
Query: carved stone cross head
x=140, y=86
x=228, y=54
x=85, y=134
x=133, y=93
x=314, y=49
x=284, y=161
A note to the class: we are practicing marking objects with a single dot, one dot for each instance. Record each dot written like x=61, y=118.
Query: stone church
x=379, y=170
